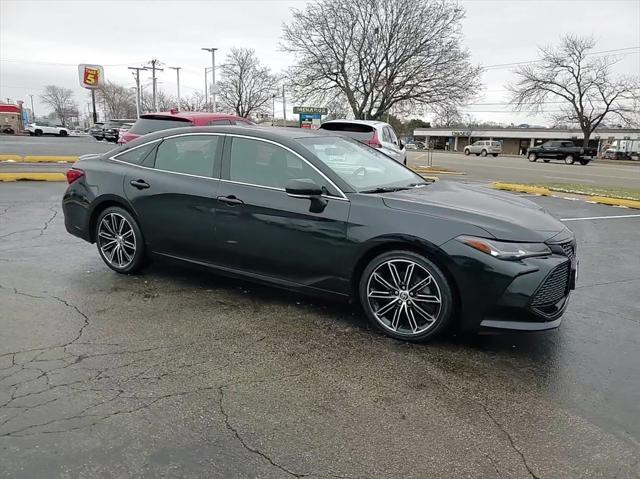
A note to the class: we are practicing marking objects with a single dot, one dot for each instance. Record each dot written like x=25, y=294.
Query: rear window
x=352, y=130
x=495, y=143
x=149, y=125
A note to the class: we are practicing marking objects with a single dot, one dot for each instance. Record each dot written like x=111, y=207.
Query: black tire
x=38, y=132
x=477, y=154
x=63, y=133
x=584, y=162
x=546, y=161
x=532, y=157
x=569, y=160
x=483, y=153
x=137, y=256
x=495, y=155
x=409, y=304
x=467, y=152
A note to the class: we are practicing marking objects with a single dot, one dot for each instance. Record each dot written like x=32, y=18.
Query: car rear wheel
x=38, y=132
x=532, y=157
x=119, y=240
x=406, y=296
x=483, y=153
x=495, y=155
x=63, y=133
x=569, y=160
x=467, y=152
x=584, y=162
x=546, y=161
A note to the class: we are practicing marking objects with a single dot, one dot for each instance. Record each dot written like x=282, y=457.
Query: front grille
x=554, y=288
x=569, y=250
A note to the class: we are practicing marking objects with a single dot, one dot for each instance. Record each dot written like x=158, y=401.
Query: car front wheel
x=532, y=157
x=483, y=153
x=119, y=240
x=63, y=133
x=467, y=152
x=406, y=296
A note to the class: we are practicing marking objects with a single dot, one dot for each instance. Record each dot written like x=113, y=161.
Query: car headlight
x=506, y=250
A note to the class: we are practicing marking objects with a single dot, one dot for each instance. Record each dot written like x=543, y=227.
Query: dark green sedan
x=319, y=213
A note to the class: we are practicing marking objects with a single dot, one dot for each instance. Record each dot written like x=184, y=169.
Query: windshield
x=149, y=125
x=362, y=167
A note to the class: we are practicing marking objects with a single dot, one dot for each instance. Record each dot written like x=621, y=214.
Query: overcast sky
x=42, y=42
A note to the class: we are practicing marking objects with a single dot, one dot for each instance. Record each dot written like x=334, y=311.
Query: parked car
x=7, y=129
x=122, y=130
x=376, y=134
x=45, y=128
x=151, y=122
x=562, y=150
x=484, y=148
x=97, y=131
x=410, y=146
x=317, y=213
x=111, y=129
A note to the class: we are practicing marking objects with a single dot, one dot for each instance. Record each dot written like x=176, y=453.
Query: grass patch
x=591, y=190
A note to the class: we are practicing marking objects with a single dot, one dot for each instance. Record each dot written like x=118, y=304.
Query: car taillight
x=374, y=141
x=74, y=174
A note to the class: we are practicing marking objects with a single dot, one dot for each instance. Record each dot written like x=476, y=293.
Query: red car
x=150, y=122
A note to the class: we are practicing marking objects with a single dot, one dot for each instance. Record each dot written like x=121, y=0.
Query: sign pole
x=93, y=103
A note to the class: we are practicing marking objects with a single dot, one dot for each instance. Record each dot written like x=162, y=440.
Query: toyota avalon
x=320, y=213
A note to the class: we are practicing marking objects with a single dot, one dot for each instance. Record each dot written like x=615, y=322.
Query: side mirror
x=400, y=144
x=305, y=188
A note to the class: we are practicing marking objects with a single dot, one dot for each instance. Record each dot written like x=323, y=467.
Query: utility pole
x=33, y=112
x=138, y=99
x=177, y=69
x=154, y=68
x=213, y=77
x=206, y=97
x=284, y=107
x=273, y=110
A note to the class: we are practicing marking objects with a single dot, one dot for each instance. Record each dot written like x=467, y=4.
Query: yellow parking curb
x=28, y=176
x=49, y=159
x=10, y=158
x=540, y=190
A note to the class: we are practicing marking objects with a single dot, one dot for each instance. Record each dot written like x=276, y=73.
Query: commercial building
x=10, y=117
x=516, y=141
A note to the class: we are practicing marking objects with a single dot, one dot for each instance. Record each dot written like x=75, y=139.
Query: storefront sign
x=91, y=76
x=310, y=109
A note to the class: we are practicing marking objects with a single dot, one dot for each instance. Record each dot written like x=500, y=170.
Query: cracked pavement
x=181, y=373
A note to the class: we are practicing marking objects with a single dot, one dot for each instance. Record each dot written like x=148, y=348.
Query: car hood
x=503, y=215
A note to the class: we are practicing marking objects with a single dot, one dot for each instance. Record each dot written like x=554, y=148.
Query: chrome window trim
x=331, y=197
x=131, y=149
x=235, y=135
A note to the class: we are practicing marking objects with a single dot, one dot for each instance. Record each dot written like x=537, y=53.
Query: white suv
x=483, y=148
x=45, y=128
x=373, y=133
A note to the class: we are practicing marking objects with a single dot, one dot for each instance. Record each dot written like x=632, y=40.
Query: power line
x=37, y=62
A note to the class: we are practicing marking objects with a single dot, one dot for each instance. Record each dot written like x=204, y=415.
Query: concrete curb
x=28, y=176
x=423, y=169
x=39, y=159
x=542, y=191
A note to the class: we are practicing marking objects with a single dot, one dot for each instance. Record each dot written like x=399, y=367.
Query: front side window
x=192, y=155
x=360, y=166
x=137, y=155
x=264, y=164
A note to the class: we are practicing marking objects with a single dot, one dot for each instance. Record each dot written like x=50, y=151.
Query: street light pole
x=33, y=112
x=213, y=77
x=206, y=97
x=273, y=109
x=177, y=69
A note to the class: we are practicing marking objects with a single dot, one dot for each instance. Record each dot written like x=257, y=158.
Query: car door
x=173, y=192
x=399, y=153
x=388, y=147
x=549, y=150
x=264, y=231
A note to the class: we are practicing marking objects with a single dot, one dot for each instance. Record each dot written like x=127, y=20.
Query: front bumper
x=527, y=295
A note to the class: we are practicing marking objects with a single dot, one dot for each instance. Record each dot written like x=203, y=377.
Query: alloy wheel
x=404, y=297
x=117, y=240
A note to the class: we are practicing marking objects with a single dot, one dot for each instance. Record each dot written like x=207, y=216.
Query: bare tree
x=449, y=116
x=120, y=101
x=583, y=83
x=164, y=101
x=61, y=102
x=194, y=102
x=380, y=54
x=246, y=87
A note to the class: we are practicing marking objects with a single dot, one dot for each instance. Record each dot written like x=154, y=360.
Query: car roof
x=358, y=122
x=189, y=115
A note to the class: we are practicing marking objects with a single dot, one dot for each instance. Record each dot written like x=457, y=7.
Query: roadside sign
x=310, y=110
x=91, y=76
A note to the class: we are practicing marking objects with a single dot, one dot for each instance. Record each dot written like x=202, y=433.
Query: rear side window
x=386, y=135
x=149, y=125
x=137, y=155
x=219, y=122
x=192, y=155
x=353, y=130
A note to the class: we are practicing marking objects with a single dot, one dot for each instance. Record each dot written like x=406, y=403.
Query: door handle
x=140, y=184
x=230, y=200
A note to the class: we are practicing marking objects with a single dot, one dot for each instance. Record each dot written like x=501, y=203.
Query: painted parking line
x=600, y=218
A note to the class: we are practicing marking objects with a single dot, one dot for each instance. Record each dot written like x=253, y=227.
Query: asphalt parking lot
x=181, y=373
x=52, y=145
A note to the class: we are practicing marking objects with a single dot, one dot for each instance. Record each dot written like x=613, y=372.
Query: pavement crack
x=46, y=223
x=254, y=450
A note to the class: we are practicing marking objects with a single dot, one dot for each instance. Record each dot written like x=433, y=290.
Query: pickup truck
x=45, y=128
x=562, y=150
